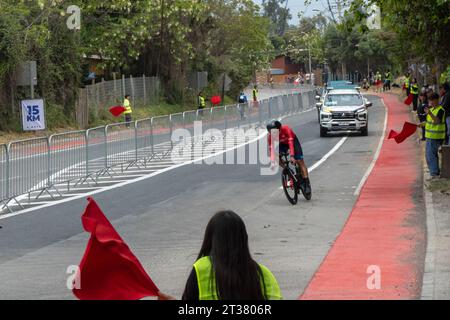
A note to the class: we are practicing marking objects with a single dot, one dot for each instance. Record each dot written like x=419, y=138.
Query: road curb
x=428, y=284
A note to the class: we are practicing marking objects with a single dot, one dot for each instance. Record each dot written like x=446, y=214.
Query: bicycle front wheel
x=289, y=187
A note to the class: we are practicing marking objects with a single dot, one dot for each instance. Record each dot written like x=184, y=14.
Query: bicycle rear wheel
x=289, y=187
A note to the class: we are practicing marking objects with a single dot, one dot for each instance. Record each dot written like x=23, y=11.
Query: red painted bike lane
x=385, y=231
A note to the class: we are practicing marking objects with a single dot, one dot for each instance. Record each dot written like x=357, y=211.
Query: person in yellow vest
x=414, y=89
x=379, y=84
x=225, y=269
x=201, y=103
x=434, y=133
x=128, y=111
x=407, y=84
x=255, y=93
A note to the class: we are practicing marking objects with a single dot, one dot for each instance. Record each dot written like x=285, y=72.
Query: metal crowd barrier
x=4, y=169
x=43, y=165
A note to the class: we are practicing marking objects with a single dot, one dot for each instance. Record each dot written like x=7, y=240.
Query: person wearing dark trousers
x=434, y=133
x=407, y=84
x=128, y=111
x=242, y=103
x=444, y=91
x=421, y=111
x=255, y=93
x=415, y=93
x=201, y=103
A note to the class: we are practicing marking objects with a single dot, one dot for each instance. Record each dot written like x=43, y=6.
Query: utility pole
x=311, y=78
x=331, y=11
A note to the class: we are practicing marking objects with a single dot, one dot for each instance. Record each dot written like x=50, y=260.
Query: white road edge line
x=5, y=216
x=377, y=154
x=325, y=157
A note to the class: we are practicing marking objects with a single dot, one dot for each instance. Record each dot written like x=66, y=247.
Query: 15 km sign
x=33, y=116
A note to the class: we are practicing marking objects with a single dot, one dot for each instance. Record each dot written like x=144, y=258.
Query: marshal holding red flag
x=109, y=270
x=408, y=130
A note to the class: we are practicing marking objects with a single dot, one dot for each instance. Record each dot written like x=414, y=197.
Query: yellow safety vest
x=415, y=89
x=255, y=94
x=201, y=102
x=435, y=131
x=407, y=82
x=207, y=284
x=127, y=106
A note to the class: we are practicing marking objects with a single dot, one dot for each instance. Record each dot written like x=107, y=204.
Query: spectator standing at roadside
x=415, y=92
x=444, y=91
x=128, y=111
x=387, y=80
x=201, y=103
x=434, y=133
x=242, y=103
x=255, y=93
x=378, y=81
x=224, y=269
x=421, y=111
x=407, y=84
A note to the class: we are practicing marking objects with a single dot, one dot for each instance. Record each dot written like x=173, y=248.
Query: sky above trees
x=297, y=6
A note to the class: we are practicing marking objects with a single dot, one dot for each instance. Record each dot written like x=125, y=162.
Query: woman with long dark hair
x=224, y=269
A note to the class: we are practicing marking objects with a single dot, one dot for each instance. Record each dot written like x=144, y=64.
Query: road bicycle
x=291, y=180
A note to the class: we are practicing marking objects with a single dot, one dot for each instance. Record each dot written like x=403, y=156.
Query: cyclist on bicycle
x=288, y=141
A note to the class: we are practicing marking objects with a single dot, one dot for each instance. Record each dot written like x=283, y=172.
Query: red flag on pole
x=408, y=130
x=215, y=100
x=109, y=270
x=117, y=110
x=409, y=100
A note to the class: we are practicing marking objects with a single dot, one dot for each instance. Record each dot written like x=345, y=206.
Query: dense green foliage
x=164, y=38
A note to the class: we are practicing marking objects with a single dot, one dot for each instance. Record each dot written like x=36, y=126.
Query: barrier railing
x=43, y=165
x=4, y=178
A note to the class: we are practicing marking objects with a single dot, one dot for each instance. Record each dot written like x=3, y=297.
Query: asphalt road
x=29, y=164
x=163, y=218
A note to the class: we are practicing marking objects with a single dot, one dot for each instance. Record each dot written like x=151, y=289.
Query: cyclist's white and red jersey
x=287, y=137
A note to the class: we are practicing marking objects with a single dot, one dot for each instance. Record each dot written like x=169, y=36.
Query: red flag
x=109, y=270
x=408, y=130
x=215, y=100
x=117, y=110
x=409, y=100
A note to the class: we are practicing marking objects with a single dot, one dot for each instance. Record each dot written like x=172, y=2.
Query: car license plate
x=344, y=124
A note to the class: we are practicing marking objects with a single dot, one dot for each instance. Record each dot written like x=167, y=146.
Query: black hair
x=445, y=86
x=238, y=276
x=433, y=96
x=127, y=96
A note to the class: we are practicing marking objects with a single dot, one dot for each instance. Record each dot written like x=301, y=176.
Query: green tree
x=422, y=28
x=278, y=13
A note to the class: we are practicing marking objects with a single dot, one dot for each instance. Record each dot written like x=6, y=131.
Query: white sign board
x=33, y=116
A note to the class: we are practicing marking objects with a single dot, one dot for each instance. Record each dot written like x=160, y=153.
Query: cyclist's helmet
x=275, y=124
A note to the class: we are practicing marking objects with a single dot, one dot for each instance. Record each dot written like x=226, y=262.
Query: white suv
x=344, y=110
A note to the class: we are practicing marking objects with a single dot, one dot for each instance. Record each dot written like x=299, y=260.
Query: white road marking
x=377, y=154
x=143, y=177
x=129, y=181
x=325, y=157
